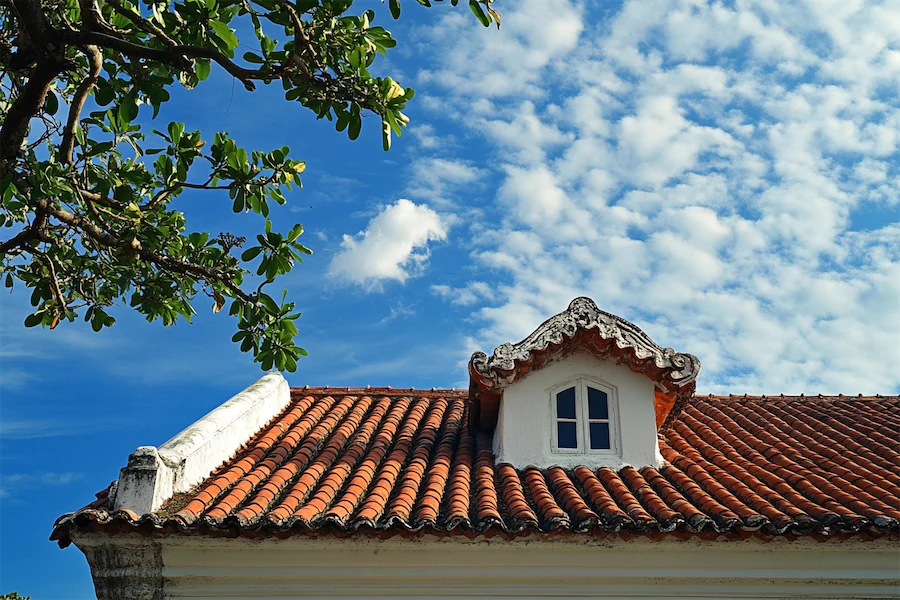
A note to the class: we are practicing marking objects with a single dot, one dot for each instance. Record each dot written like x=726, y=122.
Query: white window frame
x=583, y=427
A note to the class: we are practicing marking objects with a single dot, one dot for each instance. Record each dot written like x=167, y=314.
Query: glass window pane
x=565, y=404
x=600, y=436
x=598, y=404
x=565, y=435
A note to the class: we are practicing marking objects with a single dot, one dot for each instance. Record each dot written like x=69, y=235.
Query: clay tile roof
x=386, y=461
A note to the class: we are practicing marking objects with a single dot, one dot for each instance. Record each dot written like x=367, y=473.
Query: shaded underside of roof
x=385, y=462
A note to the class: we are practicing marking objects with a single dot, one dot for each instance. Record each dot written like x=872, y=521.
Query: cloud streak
x=19, y=483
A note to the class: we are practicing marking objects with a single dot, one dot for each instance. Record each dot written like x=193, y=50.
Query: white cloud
x=658, y=143
x=526, y=134
x=394, y=245
x=697, y=168
x=437, y=179
x=472, y=293
x=535, y=35
x=424, y=135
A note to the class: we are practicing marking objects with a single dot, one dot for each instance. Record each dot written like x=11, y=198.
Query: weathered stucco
x=429, y=567
x=126, y=567
x=522, y=437
x=153, y=475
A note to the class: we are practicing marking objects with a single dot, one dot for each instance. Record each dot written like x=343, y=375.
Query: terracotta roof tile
x=407, y=461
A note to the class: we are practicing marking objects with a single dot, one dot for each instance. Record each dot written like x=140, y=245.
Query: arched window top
x=584, y=414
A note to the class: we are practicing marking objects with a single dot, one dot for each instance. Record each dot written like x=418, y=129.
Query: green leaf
x=385, y=135
x=251, y=253
x=355, y=126
x=395, y=8
x=268, y=303
x=33, y=320
x=51, y=103
x=104, y=93
x=225, y=34
x=202, y=68
x=295, y=232
x=176, y=130
x=127, y=109
x=479, y=13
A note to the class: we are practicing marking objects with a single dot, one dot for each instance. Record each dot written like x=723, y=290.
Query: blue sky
x=723, y=174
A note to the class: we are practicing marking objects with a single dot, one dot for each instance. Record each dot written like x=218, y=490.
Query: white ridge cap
x=153, y=475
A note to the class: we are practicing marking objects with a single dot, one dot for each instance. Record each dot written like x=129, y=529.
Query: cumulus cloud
x=437, y=179
x=472, y=293
x=538, y=33
x=393, y=246
x=705, y=185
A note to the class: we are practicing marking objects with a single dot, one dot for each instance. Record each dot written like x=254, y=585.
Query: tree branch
x=62, y=307
x=299, y=35
x=160, y=196
x=29, y=234
x=92, y=18
x=177, y=56
x=141, y=22
x=99, y=199
x=160, y=260
x=33, y=23
x=95, y=58
x=201, y=186
x=28, y=104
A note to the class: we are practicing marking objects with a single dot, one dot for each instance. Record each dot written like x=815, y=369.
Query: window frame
x=583, y=423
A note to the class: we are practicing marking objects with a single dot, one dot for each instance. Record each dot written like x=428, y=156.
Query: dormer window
x=584, y=414
x=584, y=389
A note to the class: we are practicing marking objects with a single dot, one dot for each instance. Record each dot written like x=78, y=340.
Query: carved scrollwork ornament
x=678, y=369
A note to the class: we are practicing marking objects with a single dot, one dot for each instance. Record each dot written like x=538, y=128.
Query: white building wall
x=525, y=421
x=133, y=567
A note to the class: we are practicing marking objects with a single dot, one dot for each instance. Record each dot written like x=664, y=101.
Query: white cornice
x=454, y=568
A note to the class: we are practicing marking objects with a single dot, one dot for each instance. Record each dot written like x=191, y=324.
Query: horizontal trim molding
x=440, y=567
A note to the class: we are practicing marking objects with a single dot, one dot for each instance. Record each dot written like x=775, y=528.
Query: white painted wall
x=525, y=422
x=137, y=567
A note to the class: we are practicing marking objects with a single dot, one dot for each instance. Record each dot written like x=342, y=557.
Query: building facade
x=579, y=463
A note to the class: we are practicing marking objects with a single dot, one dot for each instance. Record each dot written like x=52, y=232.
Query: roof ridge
x=381, y=390
x=793, y=397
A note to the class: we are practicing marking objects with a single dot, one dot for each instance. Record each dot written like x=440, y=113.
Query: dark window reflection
x=600, y=436
x=565, y=435
x=598, y=404
x=565, y=404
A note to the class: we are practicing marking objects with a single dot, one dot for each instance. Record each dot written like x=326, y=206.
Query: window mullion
x=584, y=441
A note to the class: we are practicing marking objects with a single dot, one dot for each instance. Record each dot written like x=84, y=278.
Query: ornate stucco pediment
x=582, y=327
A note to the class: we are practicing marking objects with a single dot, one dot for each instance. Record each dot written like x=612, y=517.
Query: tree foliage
x=88, y=194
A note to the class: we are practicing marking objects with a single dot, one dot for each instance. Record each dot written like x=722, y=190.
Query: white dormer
x=578, y=410
x=586, y=388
